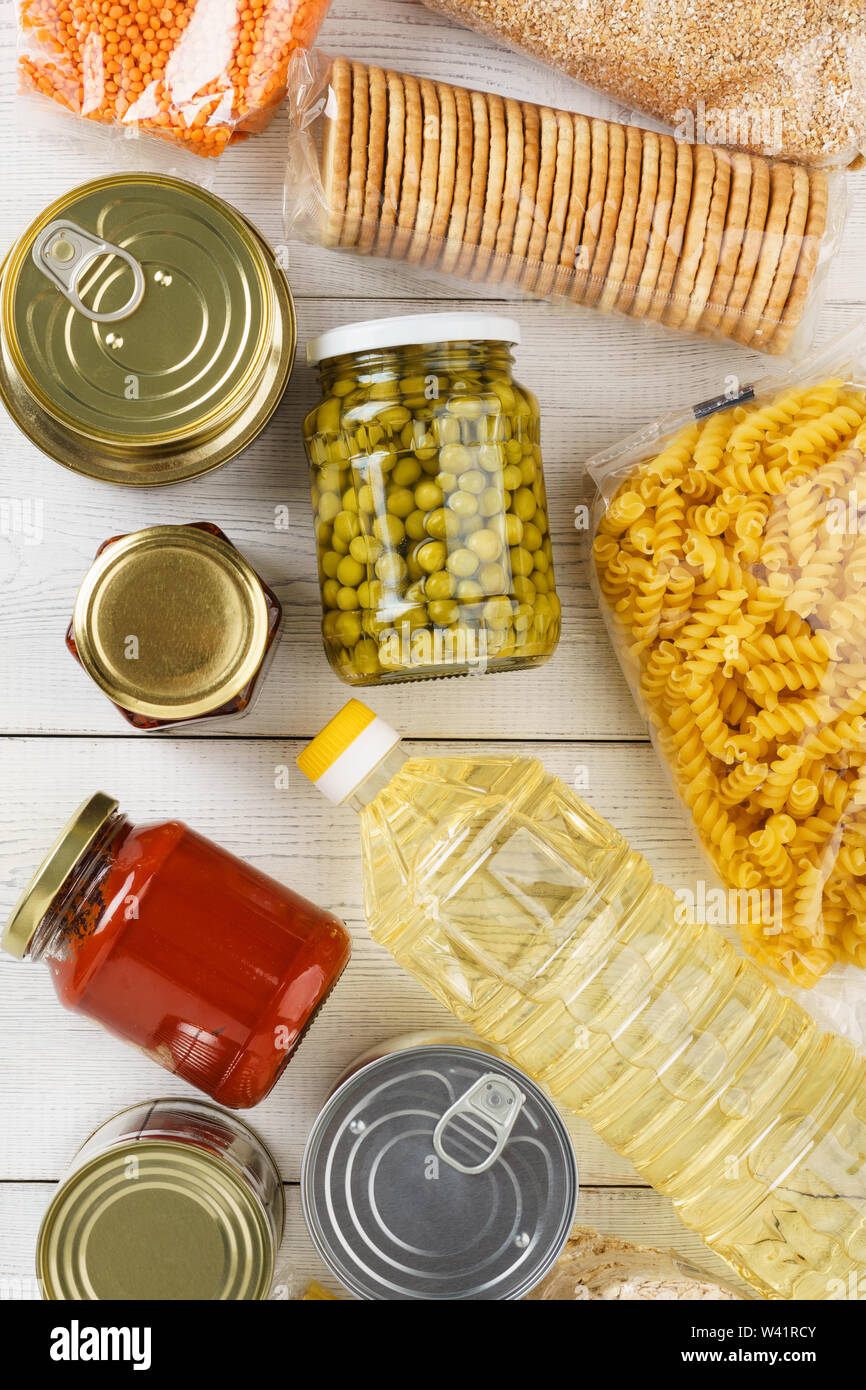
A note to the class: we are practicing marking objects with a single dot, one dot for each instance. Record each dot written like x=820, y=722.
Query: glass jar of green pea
x=431, y=514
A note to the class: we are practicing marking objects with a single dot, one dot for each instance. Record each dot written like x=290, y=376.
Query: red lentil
x=150, y=63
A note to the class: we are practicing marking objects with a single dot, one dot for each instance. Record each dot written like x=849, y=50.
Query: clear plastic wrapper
x=729, y=560
x=201, y=73
x=595, y=1267
x=556, y=204
x=781, y=77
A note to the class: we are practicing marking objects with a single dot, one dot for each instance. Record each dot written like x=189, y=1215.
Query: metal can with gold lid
x=171, y=1199
x=146, y=331
x=174, y=625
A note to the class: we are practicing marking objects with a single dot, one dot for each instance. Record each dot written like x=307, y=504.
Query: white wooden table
x=596, y=378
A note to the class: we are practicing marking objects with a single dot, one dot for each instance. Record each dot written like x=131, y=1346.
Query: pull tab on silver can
x=482, y=1118
x=63, y=252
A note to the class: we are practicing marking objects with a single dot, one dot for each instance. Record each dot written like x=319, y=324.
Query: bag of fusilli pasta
x=729, y=559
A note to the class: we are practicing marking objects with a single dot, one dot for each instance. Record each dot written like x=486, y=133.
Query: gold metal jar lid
x=146, y=331
x=155, y=1219
x=171, y=622
x=71, y=845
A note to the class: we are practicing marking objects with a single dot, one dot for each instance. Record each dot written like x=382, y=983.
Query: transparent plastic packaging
x=595, y=1267
x=201, y=73
x=783, y=77
x=729, y=558
x=482, y=187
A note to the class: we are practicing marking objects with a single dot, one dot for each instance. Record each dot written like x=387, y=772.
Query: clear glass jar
x=170, y=1199
x=208, y=966
x=432, y=529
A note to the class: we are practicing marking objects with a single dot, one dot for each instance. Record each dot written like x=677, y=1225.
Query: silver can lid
x=439, y=1173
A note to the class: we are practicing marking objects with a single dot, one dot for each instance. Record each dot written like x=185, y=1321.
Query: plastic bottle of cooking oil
x=531, y=918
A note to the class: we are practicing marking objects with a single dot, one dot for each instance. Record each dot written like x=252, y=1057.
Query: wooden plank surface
x=596, y=379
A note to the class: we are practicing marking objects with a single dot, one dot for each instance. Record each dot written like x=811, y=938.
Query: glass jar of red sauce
x=175, y=626
x=172, y=944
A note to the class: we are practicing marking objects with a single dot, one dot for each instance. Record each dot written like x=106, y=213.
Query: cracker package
x=556, y=204
x=781, y=78
x=729, y=561
x=200, y=73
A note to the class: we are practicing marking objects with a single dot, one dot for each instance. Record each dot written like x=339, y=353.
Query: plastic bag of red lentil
x=201, y=73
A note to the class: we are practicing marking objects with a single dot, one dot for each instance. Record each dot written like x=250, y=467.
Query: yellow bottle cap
x=346, y=751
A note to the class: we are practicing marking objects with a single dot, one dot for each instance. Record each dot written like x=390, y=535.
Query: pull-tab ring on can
x=481, y=1119
x=63, y=252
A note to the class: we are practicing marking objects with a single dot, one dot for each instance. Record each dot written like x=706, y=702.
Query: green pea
x=350, y=572
x=443, y=525
x=497, y=611
x=465, y=409
x=400, y=501
x=391, y=568
x=346, y=526
x=463, y=503
x=521, y=561
x=428, y=496
x=523, y=589
x=330, y=479
x=347, y=628
x=416, y=524
x=406, y=472
x=455, y=458
x=366, y=498
x=347, y=599
x=389, y=530
x=365, y=657
x=328, y=416
x=542, y=562
x=447, y=430
x=462, y=563
x=473, y=480
x=439, y=585
x=493, y=579
x=432, y=556
x=365, y=549
x=523, y=504
x=329, y=506
x=490, y=502
x=443, y=611
x=371, y=593
x=446, y=481
x=512, y=477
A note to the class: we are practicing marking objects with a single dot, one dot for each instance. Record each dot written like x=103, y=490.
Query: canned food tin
x=174, y=625
x=146, y=332
x=167, y=1200
x=439, y=1172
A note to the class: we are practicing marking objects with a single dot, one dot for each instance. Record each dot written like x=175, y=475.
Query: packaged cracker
x=586, y=211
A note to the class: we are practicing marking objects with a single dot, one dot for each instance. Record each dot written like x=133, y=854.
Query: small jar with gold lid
x=175, y=626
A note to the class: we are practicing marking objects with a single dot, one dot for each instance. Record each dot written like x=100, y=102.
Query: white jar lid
x=411, y=330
